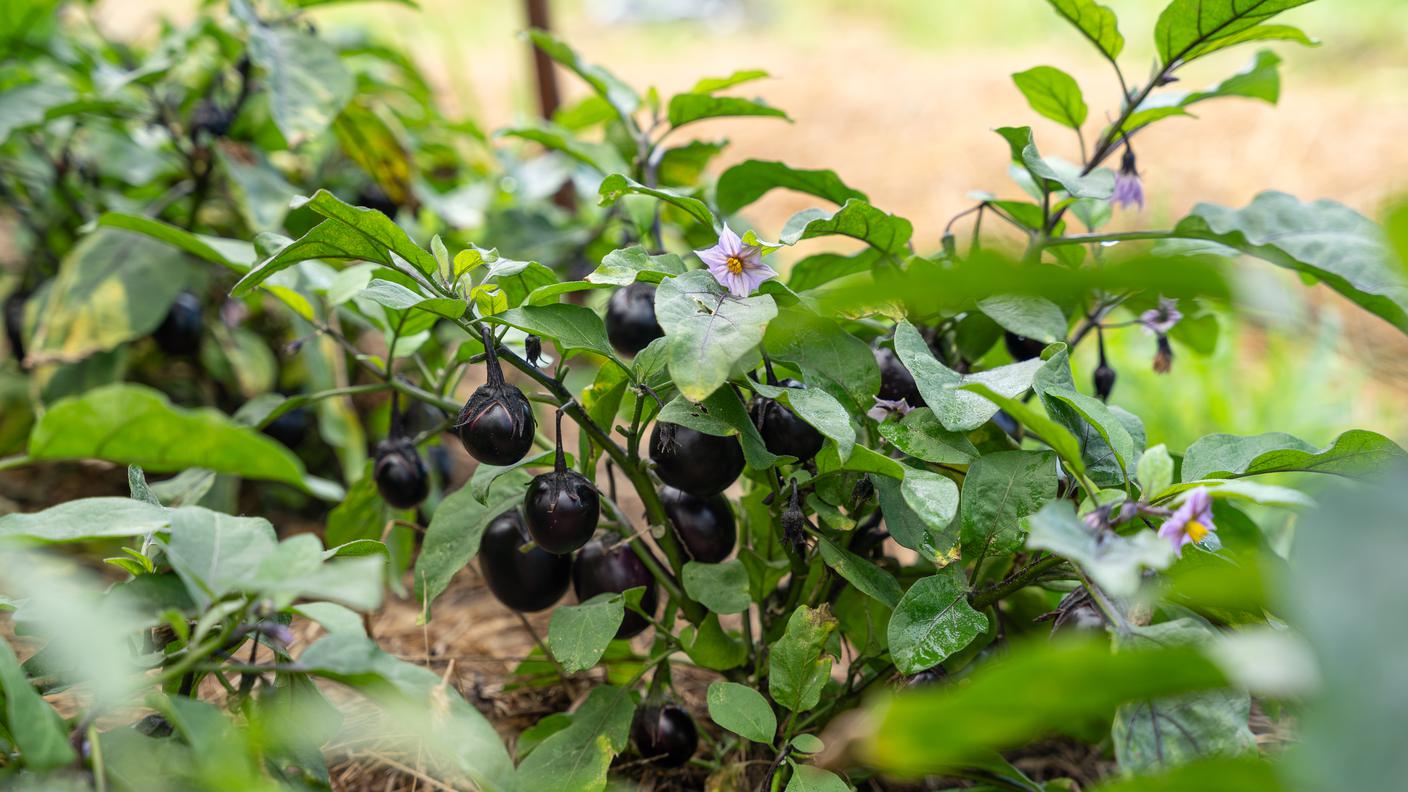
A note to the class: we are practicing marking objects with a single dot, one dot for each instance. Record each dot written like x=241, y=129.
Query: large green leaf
x=1160, y=732
x=1356, y=454
x=233, y=254
x=84, y=520
x=1189, y=28
x=628, y=265
x=1096, y=22
x=112, y=287
x=578, y=634
x=742, y=710
x=571, y=327
x=750, y=180
x=1026, y=315
x=958, y=410
x=617, y=185
x=618, y=94
x=686, y=108
x=1054, y=94
x=865, y=575
x=1260, y=80
x=1220, y=774
x=999, y=490
x=576, y=759
x=1053, y=174
x=1116, y=444
x=856, y=219
x=1036, y=688
x=1112, y=561
x=452, y=538
x=798, y=666
x=722, y=587
x=828, y=357
x=308, y=85
x=36, y=728
x=933, y=620
x=907, y=527
x=136, y=425
x=707, y=330
x=216, y=554
x=920, y=435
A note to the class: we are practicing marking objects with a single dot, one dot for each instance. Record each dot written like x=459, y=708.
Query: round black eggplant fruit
x=896, y=382
x=561, y=507
x=527, y=581
x=291, y=428
x=698, y=463
x=665, y=735
x=705, y=526
x=1021, y=347
x=179, y=333
x=630, y=318
x=400, y=473
x=598, y=571
x=496, y=424
x=783, y=432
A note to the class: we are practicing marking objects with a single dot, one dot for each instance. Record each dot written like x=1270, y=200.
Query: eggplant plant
x=868, y=498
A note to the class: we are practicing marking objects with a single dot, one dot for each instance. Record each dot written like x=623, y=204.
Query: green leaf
x=1259, y=33
x=308, y=85
x=578, y=634
x=1112, y=561
x=1027, y=315
x=1039, y=687
x=576, y=759
x=1096, y=22
x=1355, y=454
x=722, y=415
x=216, y=554
x=260, y=191
x=806, y=778
x=84, y=520
x=798, y=668
x=1189, y=28
x=710, y=646
x=856, y=219
x=394, y=295
x=1054, y=94
x=690, y=107
x=1117, y=439
x=933, y=620
x=571, y=327
x=1155, y=471
x=920, y=435
x=819, y=269
x=999, y=490
x=36, y=728
x=958, y=409
x=620, y=96
x=825, y=414
x=601, y=157
x=712, y=84
x=1220, y=774
x=112, y=287
x=1260, y=80
x=828, y=357
x=907, y=527
x=628, y=265
x=232, y=254
x=1057, y=436
x=452, y=538
x=707, y=330
x=1157, y=733
x=867, y=577
x=617, y=185
x=750, y=180
x=742, y=710
x=1054, y=174
x=722, y=588
x=808, y=744
x=135, y=425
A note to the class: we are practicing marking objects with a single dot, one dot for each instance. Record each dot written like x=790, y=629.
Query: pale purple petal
x=1128, y=191
x=729, y=242
x=712, y=256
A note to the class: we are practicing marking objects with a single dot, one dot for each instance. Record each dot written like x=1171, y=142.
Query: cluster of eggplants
x=496, y=424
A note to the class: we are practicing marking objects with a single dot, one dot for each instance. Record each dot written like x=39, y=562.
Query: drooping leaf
x=135, y=425
x=1112, y=561
x=1096, y=22
x=686, y=108
x=742, y=710
x=571, y=327
x=618, y=94
x=750, y=180
x=1034, y=317
x=1355, y=454
x=856, y=219
x=933, y=620
x=84, y=520
x=1117, y=443
x=707, y=330
x=617, y=185
x=958, y=410
x=1053, y=174
x=576, y=759
x=867, y=577
x=828, y=357
x=36, y=728
x=1054, y=94
x=233, y=254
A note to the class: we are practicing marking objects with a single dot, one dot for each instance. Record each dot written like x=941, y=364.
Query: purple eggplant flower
x=1162, y=319
x=1192, y=522
x=1129, y=190
x=883, y=408
x=736, y=266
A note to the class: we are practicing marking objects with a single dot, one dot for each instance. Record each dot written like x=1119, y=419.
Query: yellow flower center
x=734, y=265
x=1196, y=530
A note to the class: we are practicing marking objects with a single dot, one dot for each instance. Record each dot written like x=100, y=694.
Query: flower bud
x=1104, y=381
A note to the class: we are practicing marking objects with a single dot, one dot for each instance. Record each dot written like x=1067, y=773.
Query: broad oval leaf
x=1096, y=22
x=932, y=621
x=707, y=330
x=722, y=588
x=1356, y=454
x=750, y=180
x=1054, y=94
x=578, y=634
x=742, y=710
